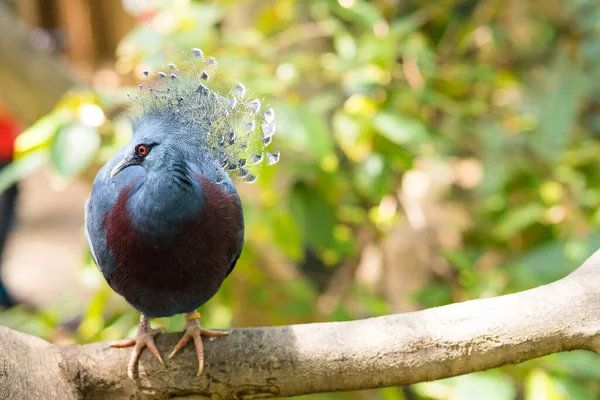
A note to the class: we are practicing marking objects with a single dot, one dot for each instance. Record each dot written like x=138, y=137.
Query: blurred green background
x=432, y=152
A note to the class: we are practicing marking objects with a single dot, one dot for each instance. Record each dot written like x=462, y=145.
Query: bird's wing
x=100, y=203
x=238, y=251
x=105, y=191
x=87, y=232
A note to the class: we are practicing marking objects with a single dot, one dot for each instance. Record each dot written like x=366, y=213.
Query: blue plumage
x=150, y=225
x=164, y=221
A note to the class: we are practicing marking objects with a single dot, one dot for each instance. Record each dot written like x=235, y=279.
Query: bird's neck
x=167, y=198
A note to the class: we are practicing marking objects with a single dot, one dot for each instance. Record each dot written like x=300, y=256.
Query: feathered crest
x=232, y=127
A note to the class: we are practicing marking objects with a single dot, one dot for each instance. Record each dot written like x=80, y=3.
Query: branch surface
x=313, y=358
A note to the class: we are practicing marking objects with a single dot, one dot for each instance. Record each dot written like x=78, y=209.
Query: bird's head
x=134, y=156
x=181, y=116
x=152, y=144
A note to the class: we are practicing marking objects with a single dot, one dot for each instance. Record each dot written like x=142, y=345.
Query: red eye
x=142, y=150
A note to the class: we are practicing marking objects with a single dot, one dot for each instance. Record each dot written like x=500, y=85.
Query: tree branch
x=300, y=359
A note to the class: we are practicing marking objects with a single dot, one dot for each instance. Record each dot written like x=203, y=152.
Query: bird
x=164, y=222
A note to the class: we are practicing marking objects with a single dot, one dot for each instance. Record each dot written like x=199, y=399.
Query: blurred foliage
x=431, y=152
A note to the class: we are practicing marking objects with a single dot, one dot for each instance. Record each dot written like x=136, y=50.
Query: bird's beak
x=124, y=163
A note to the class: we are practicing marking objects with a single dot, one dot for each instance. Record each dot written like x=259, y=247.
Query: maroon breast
x=163, y=276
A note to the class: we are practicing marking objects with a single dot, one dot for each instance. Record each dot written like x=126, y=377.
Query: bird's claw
x=194, y=331
x=144, y=338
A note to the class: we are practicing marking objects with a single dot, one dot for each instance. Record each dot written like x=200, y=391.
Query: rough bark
x=300, y=359
x=31, y=81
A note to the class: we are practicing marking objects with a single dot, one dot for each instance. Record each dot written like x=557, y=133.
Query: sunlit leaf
x=371, y=175
x=541, y=386
x=22, y=168
x=73, y=148
x=40, y=133
x=303, y=130
x=489, y=385
x=401, y=130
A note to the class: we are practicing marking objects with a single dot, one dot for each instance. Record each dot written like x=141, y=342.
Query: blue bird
x=164, y=222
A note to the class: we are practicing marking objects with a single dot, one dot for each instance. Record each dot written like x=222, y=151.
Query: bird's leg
x=194, y=331
x=144, y=338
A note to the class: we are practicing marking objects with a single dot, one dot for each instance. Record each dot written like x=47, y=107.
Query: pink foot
x=144, y=338
x=194, y=331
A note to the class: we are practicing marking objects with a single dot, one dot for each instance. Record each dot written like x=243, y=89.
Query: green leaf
x=492, y=385
x=206, y=14
x=434, y=295
x=547, y=262
x=314, y=215
x=345, y=45
x=363, y=13
x=303, y=130
x=22, y=168
x=370, y=176
x=286, y=235
x=353, y=135
x=74, y=148
x=540, y=386
x=498, y=166
x=40, y=133
x=580, y=364
x=573, y=389
x=401, y=130
x=558, y=109
x=518, y=219
x=488, y=385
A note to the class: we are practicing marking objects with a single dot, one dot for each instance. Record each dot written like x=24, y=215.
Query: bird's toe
x=144, y=338
x=195, y=332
